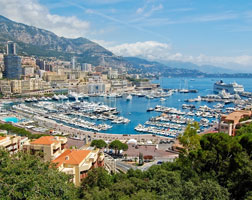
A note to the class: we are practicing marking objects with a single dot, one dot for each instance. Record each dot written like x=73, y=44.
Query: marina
x=160, y=112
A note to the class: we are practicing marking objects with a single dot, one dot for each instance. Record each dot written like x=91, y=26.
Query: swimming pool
x=11, y=119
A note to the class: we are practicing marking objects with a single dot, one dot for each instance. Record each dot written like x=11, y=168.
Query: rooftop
x=72, y=156
x=45, y=140
x=237, y=115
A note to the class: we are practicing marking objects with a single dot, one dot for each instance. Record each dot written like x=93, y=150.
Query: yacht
x=74, y=96
x=55, y=97
x=232, y=88
x=111, y=95
x=129, y=97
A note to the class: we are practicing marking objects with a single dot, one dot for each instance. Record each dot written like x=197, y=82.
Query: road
x=125, y=167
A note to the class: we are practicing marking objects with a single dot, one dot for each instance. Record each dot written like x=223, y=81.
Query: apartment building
x=230, y=122
x=54, y=77
x=11, y=143
x=50, y=147
x=16, y=86
x=78, y=162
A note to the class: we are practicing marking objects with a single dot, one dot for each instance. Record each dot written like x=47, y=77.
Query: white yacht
x=55, y=97
x=129, y=97
x=74, y=96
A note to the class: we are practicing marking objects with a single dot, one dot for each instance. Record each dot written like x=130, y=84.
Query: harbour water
x=135, y=110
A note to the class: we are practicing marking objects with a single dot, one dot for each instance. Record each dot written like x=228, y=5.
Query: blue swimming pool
x=11, y=119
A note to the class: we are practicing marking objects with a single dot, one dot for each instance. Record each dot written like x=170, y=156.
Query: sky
x=215, y=32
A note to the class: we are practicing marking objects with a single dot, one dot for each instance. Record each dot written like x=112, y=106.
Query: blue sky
x=201, y=31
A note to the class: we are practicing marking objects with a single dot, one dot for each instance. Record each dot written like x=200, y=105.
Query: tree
x=245, y=129
x=23, y=176
x=206, y=189
x=98, y=144
x=98, y=177
x=190, y=139
x=117, y=146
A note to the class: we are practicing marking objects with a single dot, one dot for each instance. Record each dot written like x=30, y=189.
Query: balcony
x=86, y=166
x=68, y=171
x=101, y=157
x=93, y=157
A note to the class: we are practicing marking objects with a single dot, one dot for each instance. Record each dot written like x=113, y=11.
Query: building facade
x=229, y=123
x=78, y=162
x=49, y=147
x=96, y=88
x=11, y=143
x=12, y=67
x=12, y=63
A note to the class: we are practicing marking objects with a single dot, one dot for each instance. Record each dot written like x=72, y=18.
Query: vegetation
x=98, y=144
x=211, y=167
x=190, y=139
x=214, y=166
x=244, y=119
x=117, y=145
x=20, y=131
x=137, y=80
x=23, y=176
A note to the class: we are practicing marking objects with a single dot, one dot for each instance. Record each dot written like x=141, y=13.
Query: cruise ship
x=231, y=88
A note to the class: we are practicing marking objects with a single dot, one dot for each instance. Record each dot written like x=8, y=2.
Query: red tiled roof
x=45, y=140
x=71, y=156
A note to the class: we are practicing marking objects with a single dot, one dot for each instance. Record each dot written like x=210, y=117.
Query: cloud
x=104, y=43
x=147, y=10
x=188, y=19
x=149, y=49
x=32, y=13
x=117, y=20
x=157, y=51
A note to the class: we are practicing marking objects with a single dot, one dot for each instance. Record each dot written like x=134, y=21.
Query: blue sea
x=135, y=110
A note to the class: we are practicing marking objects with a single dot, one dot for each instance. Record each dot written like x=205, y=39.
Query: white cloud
x=157, y=51
x=103, y=43
x=148, y=49
x=32, y=13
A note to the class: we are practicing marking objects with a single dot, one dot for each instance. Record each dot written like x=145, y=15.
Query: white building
x=96, y=88
x=86, y=67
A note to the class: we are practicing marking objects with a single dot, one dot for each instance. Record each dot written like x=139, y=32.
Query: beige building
x=16, y=86
x=28, y=70
x=11, y=143
x=53, y=76
x=78, y=162
x=28, y=61
x=50, y=147
x=5, y=87
x=34, y=84
x=230, y=122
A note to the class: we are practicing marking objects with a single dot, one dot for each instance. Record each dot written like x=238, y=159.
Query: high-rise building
x=12, y=63
x=41, y=64
x=11, y=48
x=86, y=67
x=73, y=62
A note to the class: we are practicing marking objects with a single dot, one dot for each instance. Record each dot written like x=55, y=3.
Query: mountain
x=157, y=68
x=203, y=68
x=34, y=41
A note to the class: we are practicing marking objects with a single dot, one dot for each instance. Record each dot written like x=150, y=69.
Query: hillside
x=145, y=66
x=34, y=41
